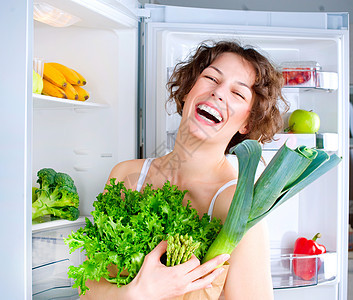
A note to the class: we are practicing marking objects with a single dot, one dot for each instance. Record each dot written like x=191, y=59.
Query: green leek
x=249, y=154
x=287, y=174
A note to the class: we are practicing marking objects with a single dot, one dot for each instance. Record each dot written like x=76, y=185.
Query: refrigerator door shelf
x=48, y=102
x=51, y=279
x=325, y=141
x=61, y=292
x=326, y=81
x=51, y=259
x=291, y=271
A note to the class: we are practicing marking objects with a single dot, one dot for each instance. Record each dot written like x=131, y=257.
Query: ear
x=244, y=129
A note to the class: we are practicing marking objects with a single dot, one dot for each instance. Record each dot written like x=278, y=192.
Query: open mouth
x=208, y=114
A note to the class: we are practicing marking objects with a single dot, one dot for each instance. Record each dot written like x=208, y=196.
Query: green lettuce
x=127, y=225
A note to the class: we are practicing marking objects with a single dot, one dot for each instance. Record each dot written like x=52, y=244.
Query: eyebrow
x=239, y=82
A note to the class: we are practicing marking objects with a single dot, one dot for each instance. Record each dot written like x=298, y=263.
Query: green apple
x=37, y=84
x=303, y=121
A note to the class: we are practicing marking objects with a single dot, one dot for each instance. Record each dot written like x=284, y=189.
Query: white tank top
x=144, y=171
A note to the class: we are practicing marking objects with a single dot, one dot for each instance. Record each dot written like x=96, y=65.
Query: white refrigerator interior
x=82, y=139
x=171, y=34
x=127, y=54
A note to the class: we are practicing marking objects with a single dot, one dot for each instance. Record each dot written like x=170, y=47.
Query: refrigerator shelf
x=51, y=259
x=51, y=279
x=59, y=292
x=48, y=102
x=324, y=81
x=327, y=141
x=57, y=224
x=291, y=271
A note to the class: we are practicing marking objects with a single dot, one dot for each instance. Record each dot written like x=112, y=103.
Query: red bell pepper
x=307, y=268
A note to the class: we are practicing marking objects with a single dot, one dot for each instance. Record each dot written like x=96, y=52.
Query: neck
x=193, y=159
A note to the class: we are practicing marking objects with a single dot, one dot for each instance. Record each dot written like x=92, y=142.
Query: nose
x=216, y=95
x=219, y=91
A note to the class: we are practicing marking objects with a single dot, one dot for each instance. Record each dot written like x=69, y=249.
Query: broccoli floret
x=62, y=179
x=70, y=213
x=57, y=192
x=67, y=212
x=46, y=179
x=65, y=191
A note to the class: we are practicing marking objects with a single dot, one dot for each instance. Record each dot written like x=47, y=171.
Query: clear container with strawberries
x=300, y=73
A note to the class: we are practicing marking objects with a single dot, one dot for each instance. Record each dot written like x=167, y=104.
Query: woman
x=225, y=93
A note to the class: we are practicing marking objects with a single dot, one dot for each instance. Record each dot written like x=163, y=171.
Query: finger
x=189, y=265
x=209, y=266
x=204, y=282
x=158, y=251
x=160, y=248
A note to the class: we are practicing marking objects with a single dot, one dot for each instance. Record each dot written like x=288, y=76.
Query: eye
x=211, y=78
x=239, y=95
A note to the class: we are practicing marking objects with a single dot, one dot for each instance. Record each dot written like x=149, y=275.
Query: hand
x=156, y=281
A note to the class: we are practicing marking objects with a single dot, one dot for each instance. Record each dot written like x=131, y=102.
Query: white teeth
x=211, y=111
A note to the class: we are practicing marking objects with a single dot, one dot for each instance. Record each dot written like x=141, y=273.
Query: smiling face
x=219, y=103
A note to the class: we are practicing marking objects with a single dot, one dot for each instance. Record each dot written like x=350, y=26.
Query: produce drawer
x=51, y=260
x=290, y=271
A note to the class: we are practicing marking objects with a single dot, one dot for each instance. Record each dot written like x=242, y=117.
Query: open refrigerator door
x=82, y=137
x=310, y=44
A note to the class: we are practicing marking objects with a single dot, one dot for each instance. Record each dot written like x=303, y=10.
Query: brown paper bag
x=212, y=293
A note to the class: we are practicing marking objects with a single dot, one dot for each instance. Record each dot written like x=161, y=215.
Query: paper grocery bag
x=212, y=293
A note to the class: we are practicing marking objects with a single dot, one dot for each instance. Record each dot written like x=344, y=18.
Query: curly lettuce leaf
x=127, y=225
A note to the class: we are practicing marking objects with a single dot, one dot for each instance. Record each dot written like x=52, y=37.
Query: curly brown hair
x=265, y=117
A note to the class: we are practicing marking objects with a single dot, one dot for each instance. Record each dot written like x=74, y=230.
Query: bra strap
x=143, y=174
x=222, y=188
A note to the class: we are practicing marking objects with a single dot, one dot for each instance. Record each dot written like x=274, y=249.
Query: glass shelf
x=325, y=141
x=51, y=259
x=291, y=271
x=48, y=224
x=47, y=102
x=324, y=81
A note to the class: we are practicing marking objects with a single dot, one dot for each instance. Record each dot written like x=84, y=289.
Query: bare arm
x=249, y=275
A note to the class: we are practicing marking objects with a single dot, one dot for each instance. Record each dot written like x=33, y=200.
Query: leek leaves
x=288, y=173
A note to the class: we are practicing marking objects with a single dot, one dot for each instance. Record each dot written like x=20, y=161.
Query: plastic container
x=38, y=67
x=300, y=74
x=291, y=271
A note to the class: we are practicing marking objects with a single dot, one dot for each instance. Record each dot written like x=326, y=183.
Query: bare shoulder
x=127, y=171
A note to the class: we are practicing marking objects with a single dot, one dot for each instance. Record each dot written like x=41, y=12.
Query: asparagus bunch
x=180, y=248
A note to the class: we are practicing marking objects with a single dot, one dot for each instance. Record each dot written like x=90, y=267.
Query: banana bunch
x=63, y=82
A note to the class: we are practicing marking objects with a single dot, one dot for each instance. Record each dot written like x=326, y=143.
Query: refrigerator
x=127, y=52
